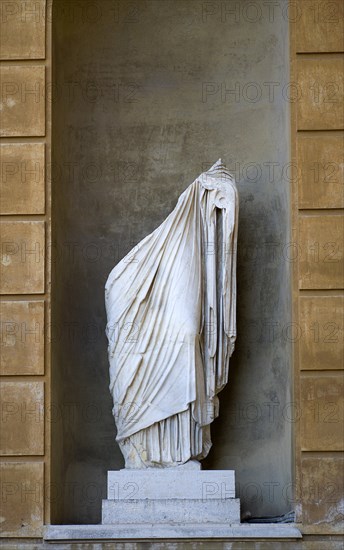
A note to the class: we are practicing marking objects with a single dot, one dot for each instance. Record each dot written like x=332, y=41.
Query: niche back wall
x=146, y=96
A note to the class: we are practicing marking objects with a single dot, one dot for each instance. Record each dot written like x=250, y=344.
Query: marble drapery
x=171, y=326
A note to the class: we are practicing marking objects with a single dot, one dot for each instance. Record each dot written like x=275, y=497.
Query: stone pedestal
x=181, y=496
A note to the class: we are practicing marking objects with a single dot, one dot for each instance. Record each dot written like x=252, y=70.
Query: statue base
x=182, y=495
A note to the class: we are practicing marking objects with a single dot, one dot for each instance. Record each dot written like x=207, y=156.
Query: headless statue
x=171, y=326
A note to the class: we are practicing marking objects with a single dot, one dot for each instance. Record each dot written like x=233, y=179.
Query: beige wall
x=317, y=132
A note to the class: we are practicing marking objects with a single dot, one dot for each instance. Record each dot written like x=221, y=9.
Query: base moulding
x=274, y=531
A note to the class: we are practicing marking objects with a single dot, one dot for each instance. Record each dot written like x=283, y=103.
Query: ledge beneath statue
x=268, y=531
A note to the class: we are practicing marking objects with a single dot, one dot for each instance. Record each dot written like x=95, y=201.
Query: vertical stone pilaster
x=317, y=46
x=25, y=61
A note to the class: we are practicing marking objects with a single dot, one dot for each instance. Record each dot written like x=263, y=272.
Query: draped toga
x=171, y=326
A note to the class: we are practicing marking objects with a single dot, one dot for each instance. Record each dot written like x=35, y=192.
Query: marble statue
x=171, y=327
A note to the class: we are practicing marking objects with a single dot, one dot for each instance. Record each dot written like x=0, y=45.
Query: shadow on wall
x=145, y=101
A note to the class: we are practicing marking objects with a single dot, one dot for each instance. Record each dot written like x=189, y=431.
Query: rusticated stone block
x=22, y=258
x=322, y=492
x=321, y=171
x=22, y=101
x=322, y=408
x=22, y=178
x=321, y=332
x=22, y=29
x=22, y=419
x=320, y=93
x=321, y=251
x=22, y=338
x=319, y=26
x=22, y=486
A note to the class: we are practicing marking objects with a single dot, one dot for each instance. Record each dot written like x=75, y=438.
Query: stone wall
x=171, y=106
